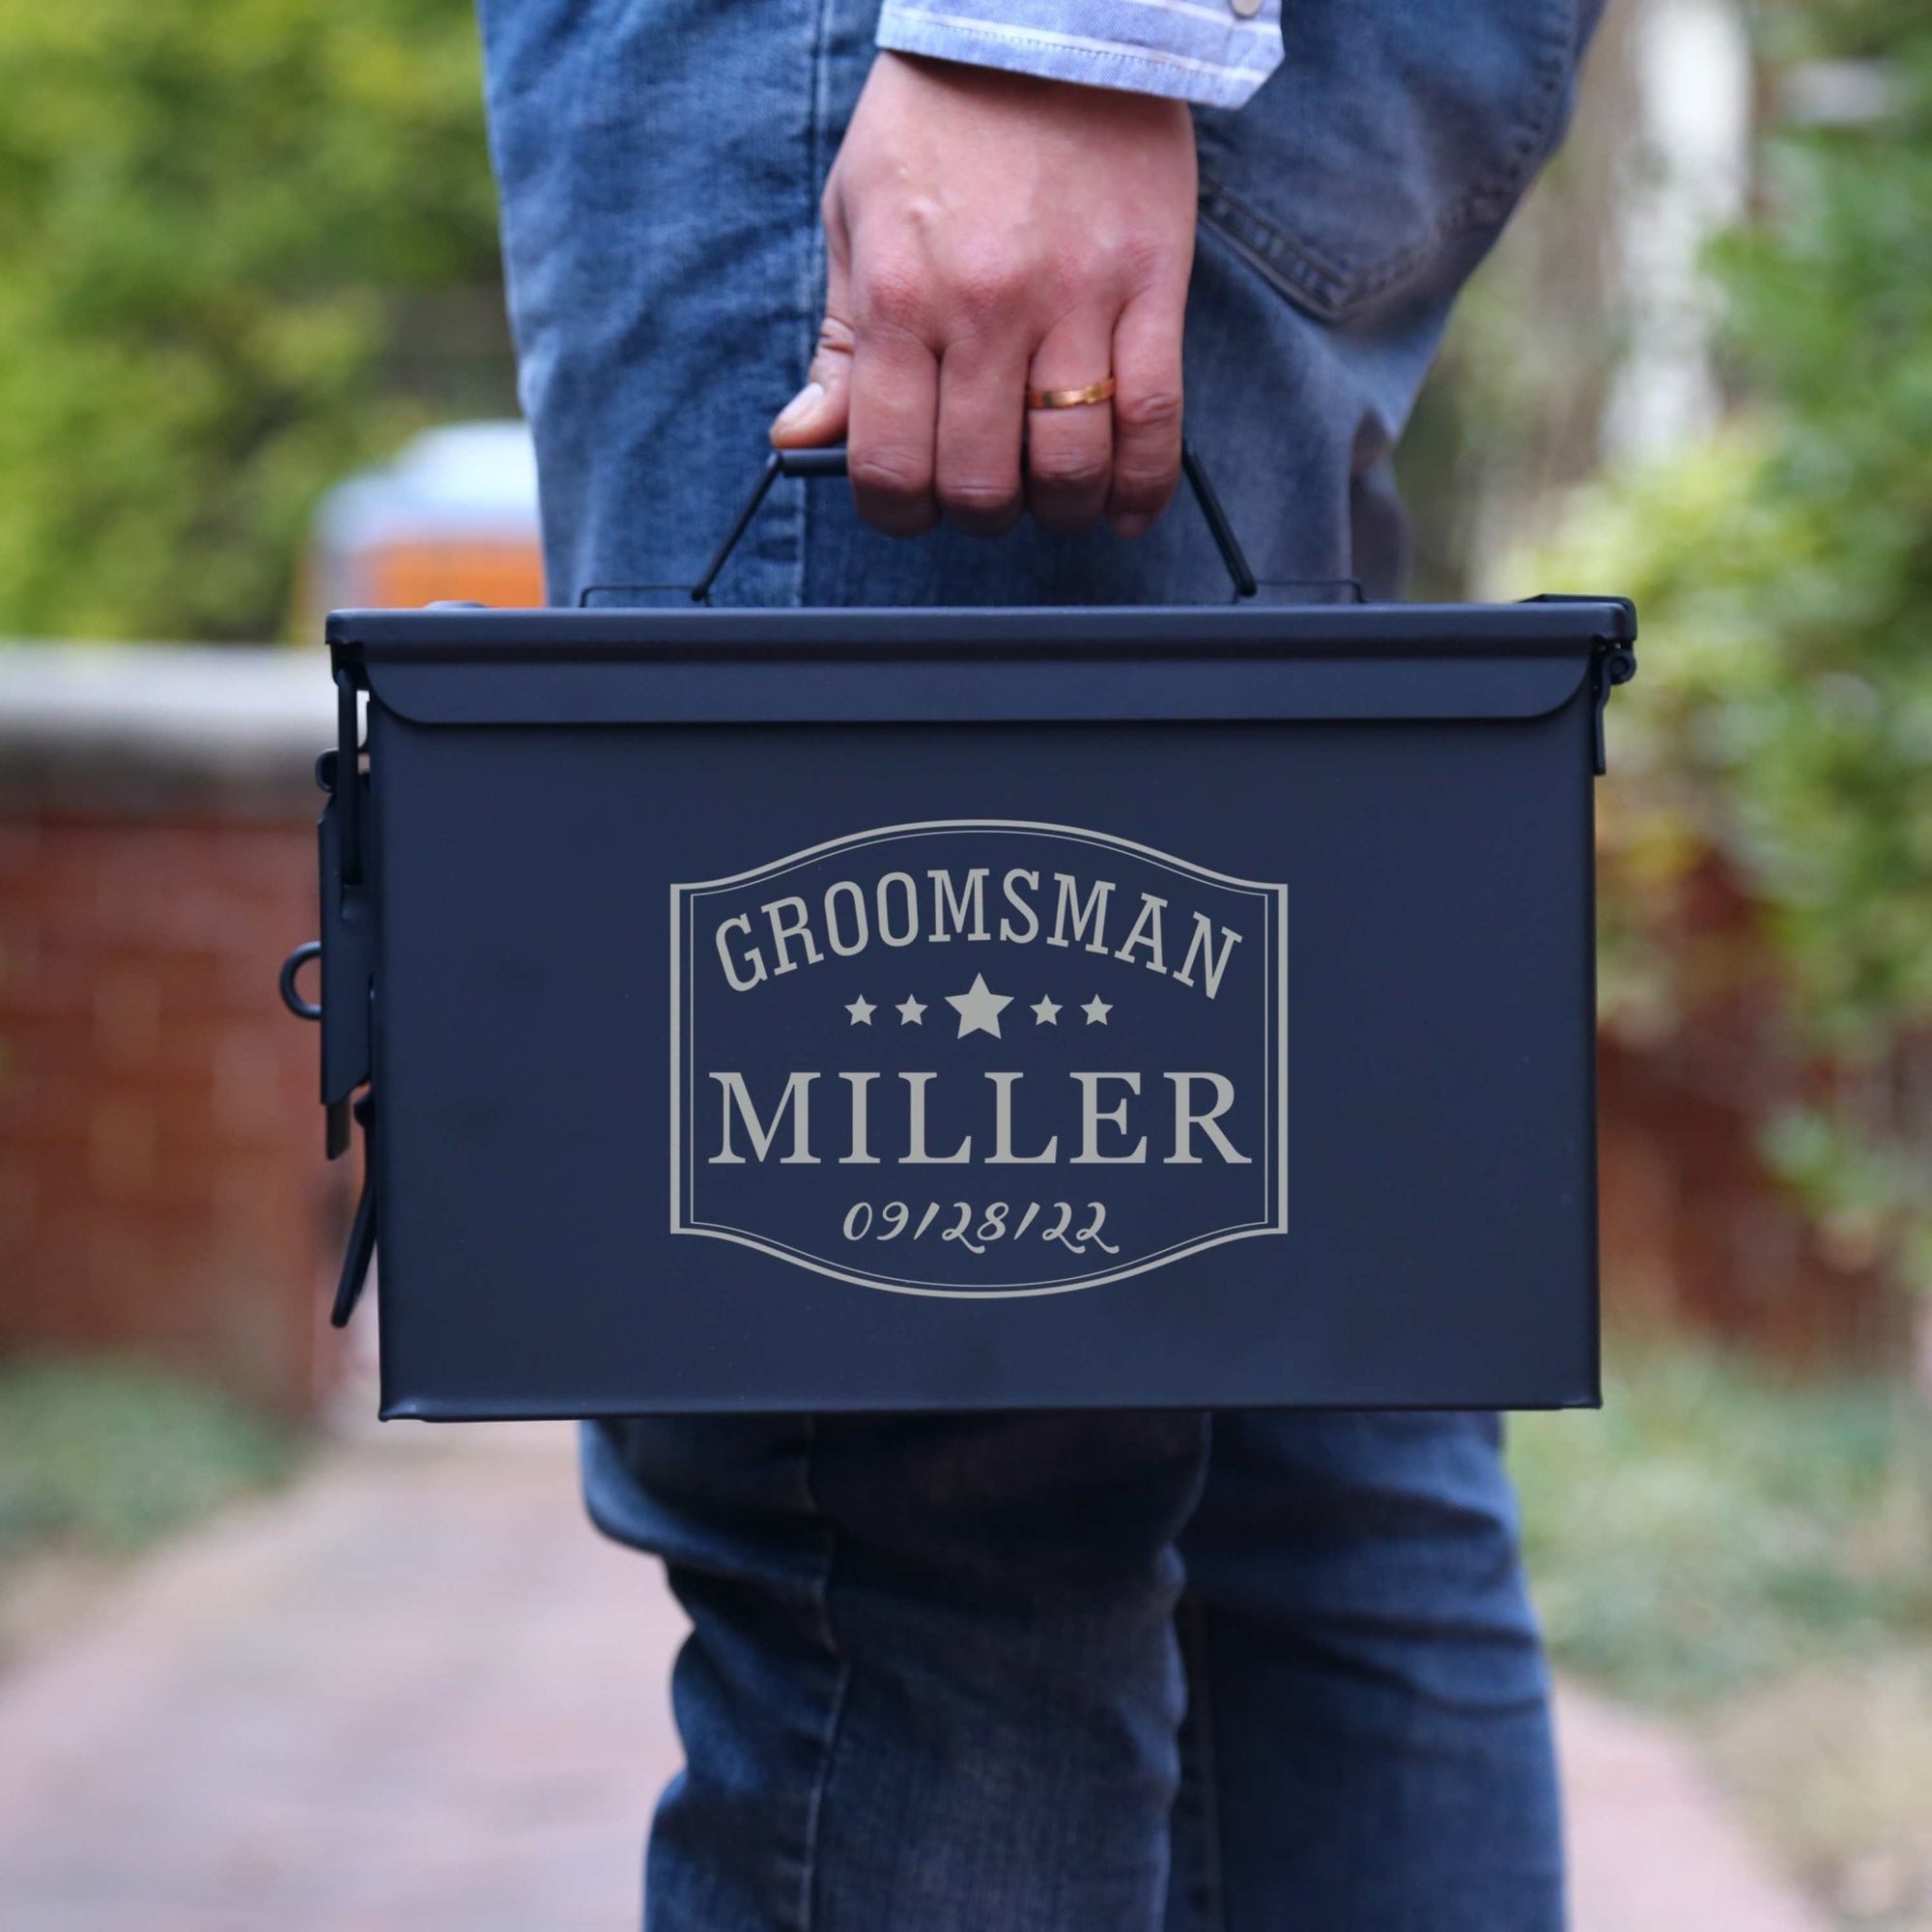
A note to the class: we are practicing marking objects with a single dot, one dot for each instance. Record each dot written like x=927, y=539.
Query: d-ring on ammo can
x=851, y=1010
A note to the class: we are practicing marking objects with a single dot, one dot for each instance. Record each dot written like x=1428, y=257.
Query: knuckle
x=978, y=501
x=888, y=477
x=1149, y=411
x=1076, y=472
x=987, y=291
x=1090, y=276
x=1149, y=262
x=893, y=297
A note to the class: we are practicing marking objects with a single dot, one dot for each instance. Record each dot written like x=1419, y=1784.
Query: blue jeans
x=1044, y=1673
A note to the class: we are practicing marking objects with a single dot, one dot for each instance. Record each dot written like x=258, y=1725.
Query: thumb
x=817, y=415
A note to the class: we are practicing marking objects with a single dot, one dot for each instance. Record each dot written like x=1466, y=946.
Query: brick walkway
x=419, y=1695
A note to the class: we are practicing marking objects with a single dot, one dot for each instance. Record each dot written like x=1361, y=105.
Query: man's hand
x=988, y=231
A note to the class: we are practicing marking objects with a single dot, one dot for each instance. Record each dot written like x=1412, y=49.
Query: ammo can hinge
x=1613, y=662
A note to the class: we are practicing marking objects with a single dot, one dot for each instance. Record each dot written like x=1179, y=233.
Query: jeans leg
x=932, y=1679
x=1368, y=1742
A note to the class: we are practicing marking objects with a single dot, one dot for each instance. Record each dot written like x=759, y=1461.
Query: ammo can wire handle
x=831, y=462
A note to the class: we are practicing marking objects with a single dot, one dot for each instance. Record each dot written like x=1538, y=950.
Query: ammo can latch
x=345, y=953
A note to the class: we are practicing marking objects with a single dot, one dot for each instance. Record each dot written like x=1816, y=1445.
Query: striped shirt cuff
x=1199, y=50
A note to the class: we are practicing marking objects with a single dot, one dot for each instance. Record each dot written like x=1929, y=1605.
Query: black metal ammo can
x=851, y=1010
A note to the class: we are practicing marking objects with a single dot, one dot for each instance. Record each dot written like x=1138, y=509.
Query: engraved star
x=1096, y=1010
x=1045, y=1013
x=862, y=1010
x=979, y=1008
x=911, y=1011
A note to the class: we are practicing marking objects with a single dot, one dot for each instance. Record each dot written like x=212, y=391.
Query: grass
x=1833, y=1769
x=109, y=1457
x=1715, y=1526
x=1754, y=1556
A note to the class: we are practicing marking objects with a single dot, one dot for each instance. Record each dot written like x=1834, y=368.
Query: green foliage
x=112, y=1456
x=208, y=209
x=1711, y=1530
x=1784, y=716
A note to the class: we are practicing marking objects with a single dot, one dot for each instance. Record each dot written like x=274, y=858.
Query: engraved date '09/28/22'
x=976, y=1231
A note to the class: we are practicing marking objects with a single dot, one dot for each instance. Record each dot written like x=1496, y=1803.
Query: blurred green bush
x=1715, y=1527
x=1782, y=724
x=213, y=215
x=110, y=1456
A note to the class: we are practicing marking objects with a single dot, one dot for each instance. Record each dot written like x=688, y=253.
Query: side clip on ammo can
x=852, y=1009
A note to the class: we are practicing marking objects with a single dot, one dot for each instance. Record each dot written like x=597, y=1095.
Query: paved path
x=418, y=1694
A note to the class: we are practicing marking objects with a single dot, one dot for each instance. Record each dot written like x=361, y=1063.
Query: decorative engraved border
x=682, y=938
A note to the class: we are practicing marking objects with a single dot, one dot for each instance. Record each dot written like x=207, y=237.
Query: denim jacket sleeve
x=1215, y=52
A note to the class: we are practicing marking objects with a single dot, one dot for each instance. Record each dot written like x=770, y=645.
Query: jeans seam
x=1211, y=1914
x=814, y=296
x=821, y=1597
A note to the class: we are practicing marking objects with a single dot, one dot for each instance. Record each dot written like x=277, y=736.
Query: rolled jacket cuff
x=1198, y=50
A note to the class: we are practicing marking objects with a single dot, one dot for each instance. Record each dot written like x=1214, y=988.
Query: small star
x=1045, y=1013
x=979, y=1008
x=862, y=1010
x=911, y=1011
x=1096, y=1010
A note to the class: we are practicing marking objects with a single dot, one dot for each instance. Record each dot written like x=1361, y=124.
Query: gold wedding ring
x=1071, y=399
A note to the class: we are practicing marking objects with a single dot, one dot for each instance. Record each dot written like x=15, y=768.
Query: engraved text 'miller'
x=979, y=1058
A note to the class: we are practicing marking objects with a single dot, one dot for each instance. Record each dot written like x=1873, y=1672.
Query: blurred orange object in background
x=453, y=517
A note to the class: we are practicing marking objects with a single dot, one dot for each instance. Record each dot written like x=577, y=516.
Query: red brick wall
x=161, y=1180
x=1697, y=1234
